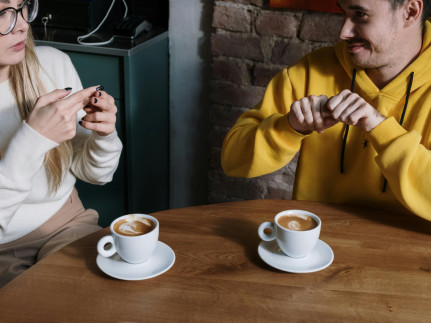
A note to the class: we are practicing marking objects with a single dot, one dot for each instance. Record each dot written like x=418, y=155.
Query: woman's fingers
x=51, y=97
x=101, y=113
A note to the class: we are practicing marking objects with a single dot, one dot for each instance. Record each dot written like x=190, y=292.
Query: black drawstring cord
x=346, y=129
x=409, y=88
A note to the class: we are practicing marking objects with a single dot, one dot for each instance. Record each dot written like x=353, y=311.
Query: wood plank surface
x=381, y=273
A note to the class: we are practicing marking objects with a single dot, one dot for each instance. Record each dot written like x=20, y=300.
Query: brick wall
x=250, y=44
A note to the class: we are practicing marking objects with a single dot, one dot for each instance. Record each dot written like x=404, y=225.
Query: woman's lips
x=18, y=46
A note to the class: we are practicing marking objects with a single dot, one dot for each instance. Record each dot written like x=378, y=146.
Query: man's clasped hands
x=317, y=113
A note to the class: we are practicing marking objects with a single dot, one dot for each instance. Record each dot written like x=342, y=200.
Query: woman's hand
x=101, y=113
x=54, y=115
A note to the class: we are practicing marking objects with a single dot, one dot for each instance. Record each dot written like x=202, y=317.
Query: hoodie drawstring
x=409, y=88
x=346, y=129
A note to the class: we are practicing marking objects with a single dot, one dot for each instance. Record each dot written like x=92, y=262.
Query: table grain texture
x=381, y=272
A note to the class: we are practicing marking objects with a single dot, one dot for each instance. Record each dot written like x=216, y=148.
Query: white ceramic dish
x=320, y=258
x=161, y=261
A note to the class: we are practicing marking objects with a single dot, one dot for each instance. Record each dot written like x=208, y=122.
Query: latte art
x=294, y=225
x=133, y=226
x=297, y=222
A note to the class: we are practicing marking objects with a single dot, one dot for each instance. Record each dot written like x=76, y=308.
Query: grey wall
x=190, y=57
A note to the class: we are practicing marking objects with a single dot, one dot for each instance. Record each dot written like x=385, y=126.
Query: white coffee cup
x=133, y=249
x=294, y=243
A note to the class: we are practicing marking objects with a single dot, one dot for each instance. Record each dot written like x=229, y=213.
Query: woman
x=51, y=132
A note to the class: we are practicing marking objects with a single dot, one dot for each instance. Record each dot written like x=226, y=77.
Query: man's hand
x=311, y=114
x=351, y=109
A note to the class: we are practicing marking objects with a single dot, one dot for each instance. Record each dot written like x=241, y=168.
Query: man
x=359, y=112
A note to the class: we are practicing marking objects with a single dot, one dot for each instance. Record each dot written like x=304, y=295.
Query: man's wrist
x=378, y=120
x=301, y=131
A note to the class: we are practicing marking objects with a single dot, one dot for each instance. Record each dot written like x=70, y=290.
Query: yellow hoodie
x=262, y=140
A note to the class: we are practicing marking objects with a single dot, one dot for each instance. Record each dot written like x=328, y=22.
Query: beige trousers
x=70, y=223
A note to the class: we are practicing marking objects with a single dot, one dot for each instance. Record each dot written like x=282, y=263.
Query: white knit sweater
x=25, y=201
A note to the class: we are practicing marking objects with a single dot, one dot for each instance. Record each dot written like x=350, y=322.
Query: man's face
x=372, y=31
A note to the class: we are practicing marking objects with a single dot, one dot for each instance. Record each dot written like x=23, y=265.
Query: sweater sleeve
x=406, y=165
x=96, y=157
x=22, y=160
x=262, y=140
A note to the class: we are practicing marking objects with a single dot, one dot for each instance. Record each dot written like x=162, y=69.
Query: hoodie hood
x=396, y=89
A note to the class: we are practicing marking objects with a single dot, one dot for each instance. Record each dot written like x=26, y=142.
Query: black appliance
x=83, y=15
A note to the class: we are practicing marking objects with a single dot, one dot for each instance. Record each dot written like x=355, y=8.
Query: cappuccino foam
x=133, y=226
x=297, y=222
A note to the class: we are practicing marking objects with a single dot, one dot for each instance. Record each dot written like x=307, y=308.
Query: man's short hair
x=395, y=4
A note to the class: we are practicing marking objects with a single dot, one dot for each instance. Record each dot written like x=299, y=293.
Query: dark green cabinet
x=138, y=80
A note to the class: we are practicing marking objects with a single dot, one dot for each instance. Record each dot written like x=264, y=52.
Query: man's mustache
x=356, y=40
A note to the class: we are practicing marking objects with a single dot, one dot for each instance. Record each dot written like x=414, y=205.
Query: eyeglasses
x=9, y=15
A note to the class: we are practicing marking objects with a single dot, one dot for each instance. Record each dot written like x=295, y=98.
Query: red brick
x=259, y=3
x=240, y=188
x=240, y=96
x=289, y=52
x=230, y=71
x=262, y=74
x=284, y=24
x=320, y=45
x=215, y=198
x=224, y=115
x=323, y=27
x=217, y=135
x=215, y=158
x=239, y=46
x=232, y=18
x=280, y=193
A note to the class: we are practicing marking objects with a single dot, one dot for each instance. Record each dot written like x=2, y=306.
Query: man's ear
x=413, y=11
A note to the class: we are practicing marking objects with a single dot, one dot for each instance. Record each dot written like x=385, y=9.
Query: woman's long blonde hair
x=26, y=84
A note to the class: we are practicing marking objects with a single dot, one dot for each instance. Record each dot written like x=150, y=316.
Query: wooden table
x=381, y=273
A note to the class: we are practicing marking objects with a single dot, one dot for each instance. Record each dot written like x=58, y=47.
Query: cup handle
x=264, y=236
x=101, y=246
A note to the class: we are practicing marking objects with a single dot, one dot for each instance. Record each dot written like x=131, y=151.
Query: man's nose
x=348, y=29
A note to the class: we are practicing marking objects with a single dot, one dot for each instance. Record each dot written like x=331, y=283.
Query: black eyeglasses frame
x=17, y=11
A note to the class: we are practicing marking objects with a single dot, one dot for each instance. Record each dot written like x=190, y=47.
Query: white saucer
x=162, y=259
x=320, y=258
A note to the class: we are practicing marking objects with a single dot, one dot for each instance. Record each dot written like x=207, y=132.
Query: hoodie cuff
x=287, y=133
x=385, y=133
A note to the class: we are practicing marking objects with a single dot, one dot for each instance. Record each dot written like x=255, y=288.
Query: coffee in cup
x=297, y=222
x=134, y=237
x=133, y=226
x=296, y=232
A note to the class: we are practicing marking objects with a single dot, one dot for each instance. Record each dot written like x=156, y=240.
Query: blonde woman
x=51, y=132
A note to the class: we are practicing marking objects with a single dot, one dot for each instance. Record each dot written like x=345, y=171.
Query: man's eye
x=360, y=14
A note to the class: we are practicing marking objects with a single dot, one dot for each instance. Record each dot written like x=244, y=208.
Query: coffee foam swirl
x=134, y=226
x=294, y=225
x=297, y=222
